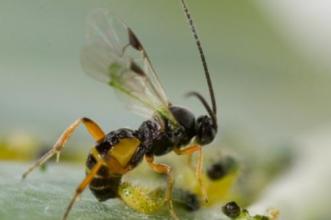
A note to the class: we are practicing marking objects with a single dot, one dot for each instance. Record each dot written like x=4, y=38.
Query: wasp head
x=205, y=125
x=205, y=130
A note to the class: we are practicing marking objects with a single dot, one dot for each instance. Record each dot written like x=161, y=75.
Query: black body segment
x=105, y=188
x=185, y=118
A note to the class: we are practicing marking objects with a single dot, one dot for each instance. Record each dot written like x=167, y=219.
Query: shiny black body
x=161, y=143
x=154, y=141
x=231, y=209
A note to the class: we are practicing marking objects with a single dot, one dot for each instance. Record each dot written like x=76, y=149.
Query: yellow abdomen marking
x=124, y=150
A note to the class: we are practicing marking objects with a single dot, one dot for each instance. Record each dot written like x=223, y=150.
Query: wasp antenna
x=205, y=104
x=202, y=55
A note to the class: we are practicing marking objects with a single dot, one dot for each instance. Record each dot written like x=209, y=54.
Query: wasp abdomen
x=116, y=151
x=104, y=185
x=105, y=188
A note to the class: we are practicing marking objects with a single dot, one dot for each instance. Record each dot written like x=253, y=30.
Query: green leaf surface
x=45, y=195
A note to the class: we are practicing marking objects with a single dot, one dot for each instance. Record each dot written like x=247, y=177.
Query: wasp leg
x=189, y=161
x=92, y=128
x=87, y=180
x=198, y=169
x=164, y=169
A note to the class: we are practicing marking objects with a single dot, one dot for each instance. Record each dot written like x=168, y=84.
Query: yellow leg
x=189, y=161
x=92, y=128
x=164, y=169
x=82, y=187
x=199, y=166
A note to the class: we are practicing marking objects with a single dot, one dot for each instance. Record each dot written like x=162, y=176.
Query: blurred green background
x=269, y=68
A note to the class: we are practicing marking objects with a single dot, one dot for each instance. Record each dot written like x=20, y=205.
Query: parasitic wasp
x=113, y=54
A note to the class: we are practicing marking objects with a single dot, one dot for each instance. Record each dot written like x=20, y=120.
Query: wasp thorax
x=187, y=120
x=205, y=130
x=184, y=117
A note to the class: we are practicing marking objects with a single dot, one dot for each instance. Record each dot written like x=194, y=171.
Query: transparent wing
x=113, y=54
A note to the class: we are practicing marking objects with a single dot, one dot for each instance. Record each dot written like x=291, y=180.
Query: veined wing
x=113, y=54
